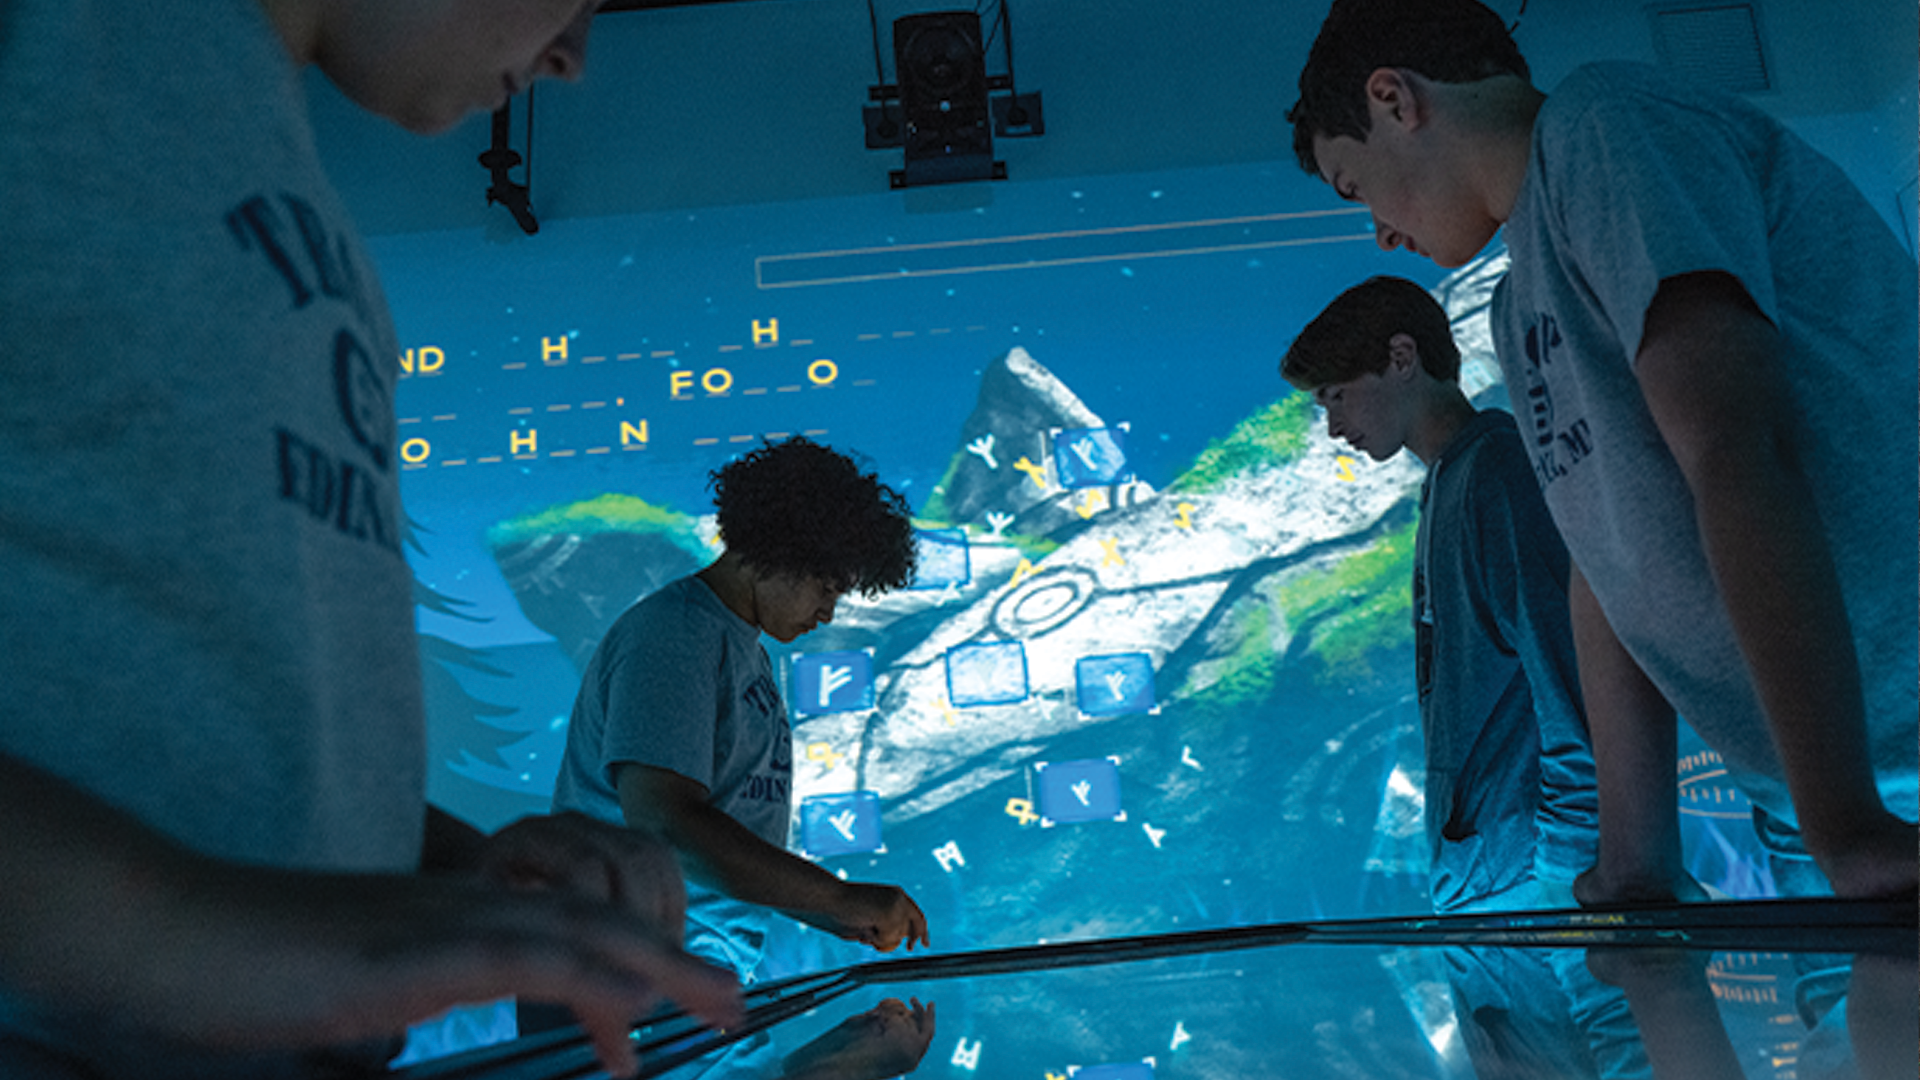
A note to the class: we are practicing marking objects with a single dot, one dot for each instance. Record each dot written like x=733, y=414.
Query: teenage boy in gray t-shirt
x=679, y=729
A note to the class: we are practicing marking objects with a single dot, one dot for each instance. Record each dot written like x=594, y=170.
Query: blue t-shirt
x=1634, y=179
x=1510, y=791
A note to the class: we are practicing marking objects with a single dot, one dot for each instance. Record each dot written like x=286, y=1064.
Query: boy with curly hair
x=679, y=729
x=1713, y=334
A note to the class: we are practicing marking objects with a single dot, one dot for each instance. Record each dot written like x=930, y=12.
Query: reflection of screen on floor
x=1155, y=673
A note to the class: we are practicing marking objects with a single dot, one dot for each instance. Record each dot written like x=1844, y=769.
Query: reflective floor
x=1787, y=990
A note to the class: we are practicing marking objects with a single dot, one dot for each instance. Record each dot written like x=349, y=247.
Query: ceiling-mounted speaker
x=940, y=65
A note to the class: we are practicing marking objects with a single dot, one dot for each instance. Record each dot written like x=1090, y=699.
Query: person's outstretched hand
x=882, y=916
x=101, y=914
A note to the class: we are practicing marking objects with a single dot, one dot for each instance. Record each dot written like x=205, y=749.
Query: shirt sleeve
x=662, y=695
x=1648, y=187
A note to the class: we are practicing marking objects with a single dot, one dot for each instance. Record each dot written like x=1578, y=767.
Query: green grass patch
x=1275, y=435
x=604, y=513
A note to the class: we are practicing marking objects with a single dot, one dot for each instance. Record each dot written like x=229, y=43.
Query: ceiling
x=699, y=104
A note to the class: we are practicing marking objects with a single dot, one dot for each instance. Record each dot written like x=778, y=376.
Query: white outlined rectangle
x=1030, y=251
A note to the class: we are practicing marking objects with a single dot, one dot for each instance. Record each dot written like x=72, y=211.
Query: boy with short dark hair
x=1511, y=810
x=1510, y=801
x=1714, y=338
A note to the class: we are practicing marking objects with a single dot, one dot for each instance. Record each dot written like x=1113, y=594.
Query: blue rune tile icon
x=942, y=558
x=991, y=674
x=832, y=682
x=840, y=824
x=1115, y=684
x=1091, y=457
x=1076, y=791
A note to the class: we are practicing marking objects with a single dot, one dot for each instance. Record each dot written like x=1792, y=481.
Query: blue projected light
x=840, y=824
x=942, y=558
x=1091, y=457
x=832, y=682
x=991, y=674
x=1138, y=1070
x=1076, y=791
x=1114, y=685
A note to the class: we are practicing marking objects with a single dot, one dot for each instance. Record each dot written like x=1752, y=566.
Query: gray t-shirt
x=208, y=616
x=1634, y=179
x=205, y=613
x=682, y=683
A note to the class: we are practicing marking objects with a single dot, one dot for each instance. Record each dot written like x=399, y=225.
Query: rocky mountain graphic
x=1233, y=548
x=1266, y=587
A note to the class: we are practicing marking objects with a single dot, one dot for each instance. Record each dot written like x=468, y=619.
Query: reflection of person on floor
x=1679, y=1018
x=1510, y=800
x=1715, y=335
x=679, y=729
x=889, y=1039
x=1540, y=1012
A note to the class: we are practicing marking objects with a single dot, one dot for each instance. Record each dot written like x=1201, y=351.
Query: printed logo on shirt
x=762, y=697
x=357, y=498
x=1555, y=448
x=767, y=789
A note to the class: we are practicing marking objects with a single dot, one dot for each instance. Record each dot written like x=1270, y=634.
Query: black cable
x=879, y=72
x=887, y=128
x=528, y=171
x=1006, y=23
x=1517, y=16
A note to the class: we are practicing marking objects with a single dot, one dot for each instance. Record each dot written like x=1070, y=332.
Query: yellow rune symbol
x=1110, y=552
x=947, y=712
x=1091, y=502
x=1343, y=468
x=823, y=753
x=1036, y=472
x=1021, y=810
x=1185, y=519
x=1051, y=1075
x=1021, y=572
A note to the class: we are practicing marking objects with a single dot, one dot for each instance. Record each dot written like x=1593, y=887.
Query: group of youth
x=220, y=859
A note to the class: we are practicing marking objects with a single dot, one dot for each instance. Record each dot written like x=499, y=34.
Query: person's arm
x=725, y=855
x=1635, y=745
x=449, y=844
x=567, y=852
x=1709, y=366
x=101, y=914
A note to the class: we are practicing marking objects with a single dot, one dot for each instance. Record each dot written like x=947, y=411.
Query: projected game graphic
x=1155, y=673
